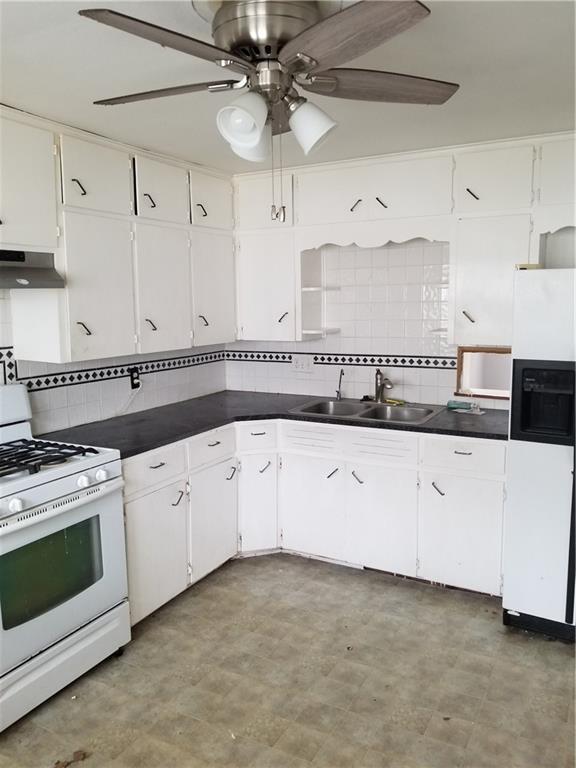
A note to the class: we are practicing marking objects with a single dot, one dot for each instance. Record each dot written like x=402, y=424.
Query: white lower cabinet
x=258, y=502
x=382, y=505
x=312, y=512
x=213, y=517
x=157, y=548
x=460, y=531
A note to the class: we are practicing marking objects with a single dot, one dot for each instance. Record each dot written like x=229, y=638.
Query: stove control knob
x=83, y=481
x=101, y=475
x=15, y=505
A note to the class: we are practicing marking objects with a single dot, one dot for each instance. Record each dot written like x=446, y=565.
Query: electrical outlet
x=135, y=382
x=302, y=363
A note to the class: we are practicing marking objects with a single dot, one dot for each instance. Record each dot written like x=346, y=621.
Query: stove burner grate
x=31, y=455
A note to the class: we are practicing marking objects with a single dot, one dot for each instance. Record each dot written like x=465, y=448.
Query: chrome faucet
x=381, y=383
x=339, y=390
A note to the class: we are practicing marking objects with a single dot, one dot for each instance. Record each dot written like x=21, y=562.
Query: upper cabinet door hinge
x=58, y=232
x=279, y=462
x=132, y=237
x=55, y=150
x=187, y=488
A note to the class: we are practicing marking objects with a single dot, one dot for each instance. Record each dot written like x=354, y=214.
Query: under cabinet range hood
x=26, y=269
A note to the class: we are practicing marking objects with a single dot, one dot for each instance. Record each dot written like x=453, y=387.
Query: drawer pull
x=179, y=499
x=438, y=489
x=152, y=324
x=204, y=211
x=82, y=190
x=472, y=194
x=282, y=317
x=355, y=476
x=264, y=468
x=151, y=199
x=468, y=316
x=332, y=473
x=232, y=473
x=213, y=445
x=157, y=466
x=356, y=204
x=87, y=330
x=257, y=434
x=381, y=203
x=203, y=318
x=463, y=453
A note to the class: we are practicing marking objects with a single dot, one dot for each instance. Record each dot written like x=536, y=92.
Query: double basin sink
x=370, y=411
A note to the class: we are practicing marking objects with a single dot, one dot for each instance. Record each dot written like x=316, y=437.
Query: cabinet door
x=99, y=286
x=410, y=188
x=460, y=531
x=487, y=249
x=557, y=177
x=258, y=519
x=96, y=177
x=27, y=186
x=162, y=191
x=266, y=286
x=213, y=288
x=156, y=548
x=495, y=179
x=341, y=195
x=162, y=288
x=213, y=517
x=254, y=201
x=312, y=506
x=381, y=517
x=211, y=201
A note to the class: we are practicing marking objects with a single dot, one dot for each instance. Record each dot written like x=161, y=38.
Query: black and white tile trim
x=259, y=357
x=390, y=361
x=8, y=366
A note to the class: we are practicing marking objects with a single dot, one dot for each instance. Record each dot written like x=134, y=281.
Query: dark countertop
x=142, y=431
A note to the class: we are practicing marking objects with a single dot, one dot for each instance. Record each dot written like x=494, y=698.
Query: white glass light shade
x=260, y=152
x=241, y=123
x=310, y=125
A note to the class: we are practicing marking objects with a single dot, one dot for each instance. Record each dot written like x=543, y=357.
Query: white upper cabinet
x=213, y=288
x=210, y=201
x=162, y=191
x=494, y=179
x=162, y=288
x=27, y=186
x=487, y=250
x=95, y=176
x=254, y=199
x=266, y=286
x=339, y=195
x=557, y=173
x=99, y=286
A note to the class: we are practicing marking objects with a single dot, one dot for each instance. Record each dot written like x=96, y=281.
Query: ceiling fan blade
x=350, y=33
x=177, y=90
x=167, y=38
x=370, y=85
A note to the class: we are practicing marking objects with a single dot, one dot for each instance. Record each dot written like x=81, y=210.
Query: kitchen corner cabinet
x=27, y=186
x=487, y=250
x=157, y=548
x=210, y=201
x=266, y=265
x=494, y=179
x=254, y=198
x=213, y=517
x=163, y=302
x=162, y=191
x=213, y=288
x=95, y=176
x=257, y=502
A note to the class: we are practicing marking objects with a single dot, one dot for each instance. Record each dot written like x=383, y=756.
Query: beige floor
x=283, y=662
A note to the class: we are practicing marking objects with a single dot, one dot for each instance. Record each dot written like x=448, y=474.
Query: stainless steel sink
x=333, y=408
x=405, y=414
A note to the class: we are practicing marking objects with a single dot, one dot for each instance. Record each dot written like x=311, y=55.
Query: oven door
x=61, y=565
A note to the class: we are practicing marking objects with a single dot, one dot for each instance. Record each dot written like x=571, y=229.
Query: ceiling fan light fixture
x=258, y=153
x=310, y=124
x=242, y=122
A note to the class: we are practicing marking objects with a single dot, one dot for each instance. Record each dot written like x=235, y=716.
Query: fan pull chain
x=281, y=214
x=273, y=212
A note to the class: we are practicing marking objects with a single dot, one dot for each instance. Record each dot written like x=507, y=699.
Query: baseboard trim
x=556, y=629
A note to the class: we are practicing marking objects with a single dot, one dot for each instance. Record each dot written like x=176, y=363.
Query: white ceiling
x=514, y=61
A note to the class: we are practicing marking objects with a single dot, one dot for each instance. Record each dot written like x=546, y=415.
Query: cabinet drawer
x=309, y=438
x=211, y=446
x=390, y=446
x=153, y=468
x=478, y=456
x=256, y=436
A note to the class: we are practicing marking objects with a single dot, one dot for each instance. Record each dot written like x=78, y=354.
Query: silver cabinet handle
x=264, y=468
x=157, y=466
x=82, y=190
x=332, y=473
x=232, y=473
x=356, y=204
x=463, y=453
x=206, y=323
x=179, y=499
x=472, y=194
x=355, y=476
x=282, y=317
x=438, y=489
x=204, y=211
x=468, y=316
x=86, y=329
x=257, y=434
x=381, y=203
x=213, y=445
x=152, y=325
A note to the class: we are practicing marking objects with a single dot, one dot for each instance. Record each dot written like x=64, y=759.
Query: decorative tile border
x=391, y=361
x=259, y=357
x=8, y=366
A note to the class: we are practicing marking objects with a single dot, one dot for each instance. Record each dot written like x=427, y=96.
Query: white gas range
x=63, y=583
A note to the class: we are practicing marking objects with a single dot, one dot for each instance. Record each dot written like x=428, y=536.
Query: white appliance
x=539, y=525
x=63, y=583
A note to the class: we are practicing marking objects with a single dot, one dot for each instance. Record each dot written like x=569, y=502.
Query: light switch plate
x=302, y=363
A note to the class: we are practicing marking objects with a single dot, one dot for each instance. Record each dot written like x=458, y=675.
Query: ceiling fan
x=279, y=45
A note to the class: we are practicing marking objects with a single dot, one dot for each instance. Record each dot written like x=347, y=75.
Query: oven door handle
x=59, y=506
